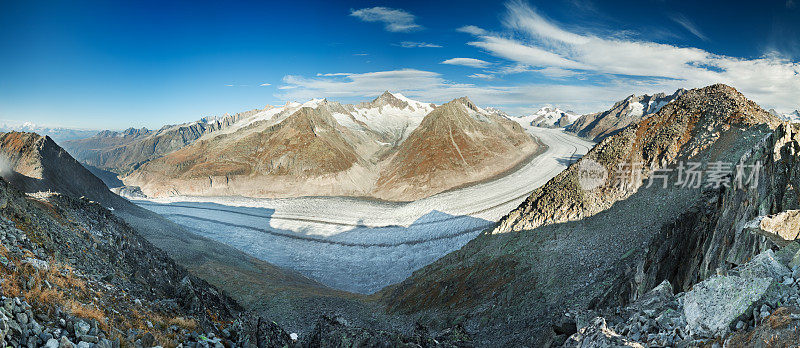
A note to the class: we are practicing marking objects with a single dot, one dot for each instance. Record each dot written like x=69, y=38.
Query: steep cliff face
x=569, y=246
x=712, y=236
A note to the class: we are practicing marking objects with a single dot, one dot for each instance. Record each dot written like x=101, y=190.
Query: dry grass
x=86, y=312
x=189, y=324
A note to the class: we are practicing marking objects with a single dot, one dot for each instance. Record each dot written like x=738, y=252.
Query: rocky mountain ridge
x=548, y=117
x=124, y=151
x=597, y=126
x=572, y=248
x=327, y=148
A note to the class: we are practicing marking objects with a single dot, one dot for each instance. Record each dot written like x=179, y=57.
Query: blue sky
x=113, y=65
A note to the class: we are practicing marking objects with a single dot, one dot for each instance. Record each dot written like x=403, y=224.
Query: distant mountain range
x=793, y=116
x=630, y=110
x=392, y=148
x=549, y=117
x=59, y=134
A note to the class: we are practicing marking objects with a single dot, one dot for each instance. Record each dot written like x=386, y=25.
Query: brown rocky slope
x=37, y=164
x=569, y=248
x=331, y=149
x=454, y=145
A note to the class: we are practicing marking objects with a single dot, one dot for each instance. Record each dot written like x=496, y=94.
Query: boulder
x=764, y=265
x=600, y=336
x=780, y=228
x=712, y=306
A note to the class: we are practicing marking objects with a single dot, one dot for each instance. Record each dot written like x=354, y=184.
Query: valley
x=438, y=174
x=362, y=245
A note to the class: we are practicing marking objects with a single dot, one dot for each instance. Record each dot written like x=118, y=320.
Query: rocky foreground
x=756, y=304
x=73, y=274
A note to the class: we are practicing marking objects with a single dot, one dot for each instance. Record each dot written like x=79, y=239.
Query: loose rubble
x=714, y=310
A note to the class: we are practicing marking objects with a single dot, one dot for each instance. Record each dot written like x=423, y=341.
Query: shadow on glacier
x=568, y=160
x=360, y=258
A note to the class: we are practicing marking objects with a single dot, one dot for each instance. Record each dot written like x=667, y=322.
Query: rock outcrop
x=575, y=246
x=737, y=307
x=631, y=110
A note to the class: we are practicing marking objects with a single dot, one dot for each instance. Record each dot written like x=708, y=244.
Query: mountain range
x=628, y=111
x=620, y=263
x=59, y=134
x=548, y=117
x=567, y=247
x=317, y=148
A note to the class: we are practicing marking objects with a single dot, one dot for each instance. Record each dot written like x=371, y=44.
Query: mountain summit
x=392, y=148
x=569, y=247
x=631, y=110
x=455, y=144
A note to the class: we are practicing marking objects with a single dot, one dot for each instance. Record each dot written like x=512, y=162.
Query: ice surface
x=363, y=245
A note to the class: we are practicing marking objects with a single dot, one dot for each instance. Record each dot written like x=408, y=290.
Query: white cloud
x=536, y=43
x=470, y=62
x=687, y=24
x=228, y=85
x=412, y=44
x=265, y=84
x=482, y=76
x=395, y=20
x=471, y=29
x=432, y=87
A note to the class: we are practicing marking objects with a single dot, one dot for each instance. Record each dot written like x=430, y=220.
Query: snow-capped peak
x=313, y=103
x=548, y=116
x=793, y=117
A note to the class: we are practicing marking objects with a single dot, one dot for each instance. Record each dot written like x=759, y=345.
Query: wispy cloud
x=579, y=69
x=470, y=62
x=482, y=76
x=536, y=43
x=394, y=20
x=687, y=24
x=265, y=84
x=432, y=87
x=412, y=44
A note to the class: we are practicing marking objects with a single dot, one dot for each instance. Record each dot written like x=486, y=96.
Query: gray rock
x=66, y=343
x=764, y=265
x=599, y=335
x=83, y=344
x=89, y=338
x=714, y=304
x=51, y=343
x=82, y=328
